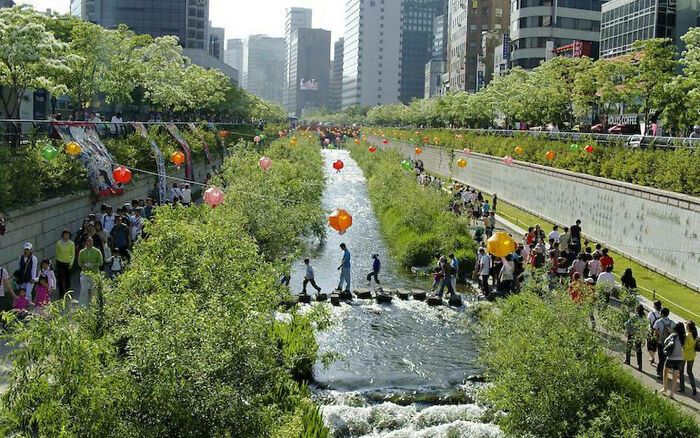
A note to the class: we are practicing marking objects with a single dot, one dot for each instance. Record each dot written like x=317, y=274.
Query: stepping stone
x=345, y=295
x=434, y=300
x=321, y=297
x=335, y=299
x=305, y=299
x=363, y=294
x=289, y=302
x=420, y=295
x=383, y=297
x=404, y=294
x=455, y=300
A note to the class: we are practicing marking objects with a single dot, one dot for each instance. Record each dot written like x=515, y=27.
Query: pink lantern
x=508, y=160
x=467, y=152
x=265, y=163
x=213, y=197
x=256, y=139
x=326, y=142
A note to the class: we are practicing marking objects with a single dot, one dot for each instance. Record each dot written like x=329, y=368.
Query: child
x=48, y=272
x=116, y=262
x=42, y=293
x=376, y=266
x=309, y=277
x=21, y=303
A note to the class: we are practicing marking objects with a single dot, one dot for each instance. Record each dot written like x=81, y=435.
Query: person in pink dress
x=21, y=302
x=42, y=293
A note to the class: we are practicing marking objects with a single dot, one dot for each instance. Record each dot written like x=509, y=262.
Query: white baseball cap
x=28, y=246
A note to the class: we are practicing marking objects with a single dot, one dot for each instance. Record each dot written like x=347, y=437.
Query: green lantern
x=406, y=165
x=49, y=152
x=574, y=147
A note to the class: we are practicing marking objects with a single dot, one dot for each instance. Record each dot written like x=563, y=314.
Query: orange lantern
x=178, y=158
x=418, y=151
x=550, y=155
x=223, y=134
x=340, y=220
x=73, y=149
x=122, y=175
x=462, y=163
x=338, y=165
x=357, y=141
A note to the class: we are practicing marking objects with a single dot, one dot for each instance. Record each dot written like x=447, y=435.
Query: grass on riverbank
x=414, y=219
x=679, y=299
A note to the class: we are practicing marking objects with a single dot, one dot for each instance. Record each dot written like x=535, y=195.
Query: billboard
x=308, y=85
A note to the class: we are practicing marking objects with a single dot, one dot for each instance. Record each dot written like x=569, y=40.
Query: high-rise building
x=435, y=69
x=309, y=78
x=467, y=20
x=335, y=98
x=416, y=44
x=296, y=18
x=538, y=27
x=439, y=43
x=6, y=3
x=372, y=52
x=485, y=66
x=186, y=19
x=233, y=55
x=217, y=36
x=263, y=67
x=625, y=21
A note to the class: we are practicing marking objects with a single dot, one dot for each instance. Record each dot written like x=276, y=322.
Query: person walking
x=507, y=275
x=484, y=267
x=309, y=277
x=690, y=348
x=65, y=257
x=628, y=281
x=454, y=268
x=663, y=328
x=446, y=271
x=28, y=268
x=634, y=337
x=654, y=315
x=344, y=269
x=673, y=349
x=121, y=237
x=90, y=259
x=376, y=267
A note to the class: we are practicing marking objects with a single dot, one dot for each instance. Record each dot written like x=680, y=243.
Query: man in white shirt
x=663, y=327
x=554, y=234
x=186, y=195
x=136, y=223
x=607, y=278
x=176, y=193
x=108, y=220
x=116, y=123
x=484, y=270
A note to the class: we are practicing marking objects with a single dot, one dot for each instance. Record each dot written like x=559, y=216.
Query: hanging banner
x=160, y=161
x=94, y=156
x=199, y=135
x=221, y=141
x=185, y=148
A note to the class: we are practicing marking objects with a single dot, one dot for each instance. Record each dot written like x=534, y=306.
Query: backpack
x=670, y=346
x=665, y=331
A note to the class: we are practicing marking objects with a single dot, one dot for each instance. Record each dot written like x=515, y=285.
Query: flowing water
x=401, y=368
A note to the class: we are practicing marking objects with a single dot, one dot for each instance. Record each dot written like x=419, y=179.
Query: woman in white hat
x=28, y=267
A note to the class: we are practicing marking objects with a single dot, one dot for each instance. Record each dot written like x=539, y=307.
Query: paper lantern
x=462, y=163
x=262, y=137
x=501, y=244
x=385, y=141
x=467, y=152
x=357, y=141
x=49, y=152
x=436, y=140
x=280, y=134
x=223, y=134
x=508, y=160
x=589, y=149
x=73, y=149
x=406, y=165
x=177, y=158
x=550, y=155
x=122, y=175
x=411, y=140
x=519, y=150
x=372, y=149
x=256, y=139
x=417, y=132
x=213, y=196
x=265, y=163
x=340, y=220
x=418, y=151
x=326, y=142
x=426, y=140
x=574, y=147
x=338, y=165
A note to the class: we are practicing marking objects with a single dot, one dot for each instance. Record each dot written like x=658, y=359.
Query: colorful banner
x=221, y=141
x=160, y=162
x=199, y=135
x=94, y=156
x=189, y=174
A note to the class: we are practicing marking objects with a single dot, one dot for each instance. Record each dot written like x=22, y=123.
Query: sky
x=241, y=18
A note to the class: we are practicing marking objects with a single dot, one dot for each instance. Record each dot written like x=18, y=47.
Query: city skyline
x=242, y=20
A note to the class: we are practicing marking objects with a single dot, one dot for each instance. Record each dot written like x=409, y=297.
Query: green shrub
x=413, y=219
x=676, y=170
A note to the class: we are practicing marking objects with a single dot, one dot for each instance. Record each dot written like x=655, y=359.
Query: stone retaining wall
x=656, y=228
x=41, y=224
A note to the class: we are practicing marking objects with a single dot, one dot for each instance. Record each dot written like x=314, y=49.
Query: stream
x=401, y=368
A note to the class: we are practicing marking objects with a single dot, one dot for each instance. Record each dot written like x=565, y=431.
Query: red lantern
x=418, y=151
x=338, y=165
x=589, y=149
x=122, y=175
x=223, y=134
x=372, y=149
x=340, y=220
x=265, y=163
x=550, y=155
x=213, y=196
x=385, y=141
x=178, y=158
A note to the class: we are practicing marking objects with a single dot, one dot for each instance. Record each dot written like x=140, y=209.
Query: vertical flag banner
x=199, y=135
x=189, y=174
x=160, y=161
x=94, y=156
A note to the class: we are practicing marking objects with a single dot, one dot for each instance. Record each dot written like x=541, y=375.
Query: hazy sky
x=247, y=17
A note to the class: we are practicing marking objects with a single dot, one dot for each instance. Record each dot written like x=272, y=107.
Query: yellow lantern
x=501, y=244
x=73, y=149
x=519, y=150
x=462, y=163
